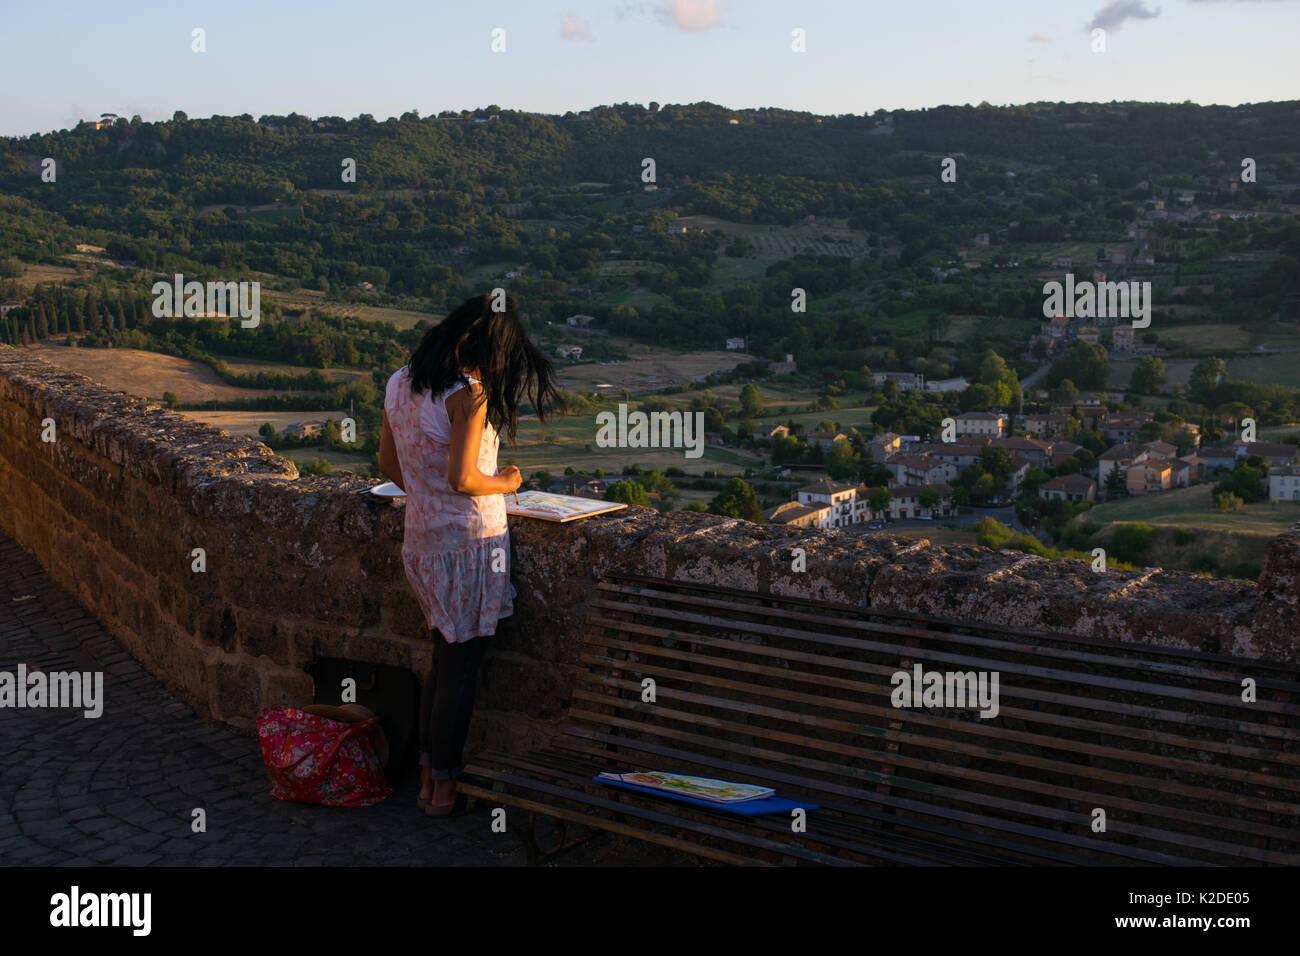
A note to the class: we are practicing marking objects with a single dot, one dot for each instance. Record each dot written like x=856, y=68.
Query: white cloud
x=1040, y=38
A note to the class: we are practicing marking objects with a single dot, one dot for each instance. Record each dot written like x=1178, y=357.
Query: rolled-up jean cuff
x=452, y=774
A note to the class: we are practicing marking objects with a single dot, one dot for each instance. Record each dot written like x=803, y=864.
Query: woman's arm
x=389, y=466
x=468, y=416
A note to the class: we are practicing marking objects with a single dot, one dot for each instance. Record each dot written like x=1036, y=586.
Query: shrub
x=1184, y=536
x=1130, y=541
x=1227, y=501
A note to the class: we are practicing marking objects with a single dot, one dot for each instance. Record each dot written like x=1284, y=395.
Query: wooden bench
x=796, y=695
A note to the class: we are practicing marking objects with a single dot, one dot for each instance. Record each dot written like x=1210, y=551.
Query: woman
x=443, y=415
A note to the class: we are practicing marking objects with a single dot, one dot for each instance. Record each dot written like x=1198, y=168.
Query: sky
x=82, y=58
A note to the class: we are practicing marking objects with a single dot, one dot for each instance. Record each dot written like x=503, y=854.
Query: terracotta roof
x=826, y=487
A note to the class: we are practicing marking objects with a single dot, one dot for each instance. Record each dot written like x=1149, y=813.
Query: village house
x=1120, y=456
x=573, y=352
x=1181, y=473
x=1161, y=449
x=904, y=503
x=904, y=380
x=305, y=429
x=1122, y=339
x=883, y=447
x=1045, y=424
x=580, y=321
x=947, y=385
x=920, y=469
x=1035, y=451
x=837, y=496
x=963, y=452
x=768, y=432
x=1069, y=488
x=825, y=440
x=1284, y=483
x=1019, y=471
x=735, y=345
x=783, y=368
x=1124, y=426
x=1273, y=453
x=980, y=423
x=796, y=515
x=1218, y=458
x=1057, y=327
x=1063, y=451
x=1149, y=475
x=584, y=486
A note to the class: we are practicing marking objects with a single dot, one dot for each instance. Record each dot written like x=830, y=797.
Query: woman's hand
x=512, y=477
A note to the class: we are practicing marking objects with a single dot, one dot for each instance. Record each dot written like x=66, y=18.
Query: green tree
x=841, y=462
x=629, y=492
x=1085, y=364
x=1148, y=375
x=751, y=401
x=879, y=500
x=737, y=500
x=1130, y=542
x=1206, y=377
x=929, y=498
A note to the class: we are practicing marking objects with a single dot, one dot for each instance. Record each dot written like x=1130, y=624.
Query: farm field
x=250, y=366
x=147, y=374
x=1267, y=369
x=1207, y=336
x=537, y=456
x=1194, y=508
x=315, y=299
x=1189, y=534
x=666, y=366
x=35, y=273
x=247, y=423
x=1177, y=372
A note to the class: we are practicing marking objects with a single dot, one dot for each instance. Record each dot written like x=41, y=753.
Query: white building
x=1284, y=483
x=947, y=385
x=838, y=495
x=980, y=423
x=904, y=380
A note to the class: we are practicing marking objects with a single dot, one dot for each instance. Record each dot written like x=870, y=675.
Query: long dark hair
x=475, y=336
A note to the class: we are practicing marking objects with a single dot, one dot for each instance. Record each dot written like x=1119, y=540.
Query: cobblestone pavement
x=119, y=789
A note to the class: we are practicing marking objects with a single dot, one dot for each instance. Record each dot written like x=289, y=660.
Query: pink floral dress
x=456, y=546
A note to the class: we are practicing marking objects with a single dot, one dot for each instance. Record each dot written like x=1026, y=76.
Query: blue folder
x=748, y=808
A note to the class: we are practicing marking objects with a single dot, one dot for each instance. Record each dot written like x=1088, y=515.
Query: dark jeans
x=447, y=702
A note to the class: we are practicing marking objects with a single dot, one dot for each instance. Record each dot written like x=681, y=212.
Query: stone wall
x=115, y=506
